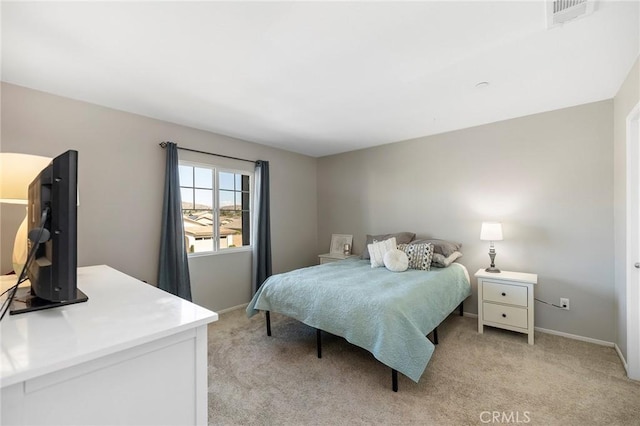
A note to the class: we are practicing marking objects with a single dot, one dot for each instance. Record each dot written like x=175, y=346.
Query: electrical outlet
x=564, y=302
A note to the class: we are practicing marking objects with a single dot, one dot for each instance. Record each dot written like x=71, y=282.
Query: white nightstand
x=333, y=257
x=505, y=300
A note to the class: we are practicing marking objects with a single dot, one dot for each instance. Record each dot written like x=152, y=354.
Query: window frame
x=216, y=205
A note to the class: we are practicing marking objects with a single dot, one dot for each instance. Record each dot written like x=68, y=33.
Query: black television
x=52, y=224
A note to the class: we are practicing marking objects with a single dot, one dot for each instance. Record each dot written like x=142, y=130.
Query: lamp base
x=20, y=247
x=492, y=256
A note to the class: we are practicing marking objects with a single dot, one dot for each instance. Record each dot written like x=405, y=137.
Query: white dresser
x=505, y=300
x=131, y=355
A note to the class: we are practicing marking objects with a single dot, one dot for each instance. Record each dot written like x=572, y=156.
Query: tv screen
x=52, y=224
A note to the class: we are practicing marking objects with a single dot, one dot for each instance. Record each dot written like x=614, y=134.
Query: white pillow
x=396, y=260
x=377, y=250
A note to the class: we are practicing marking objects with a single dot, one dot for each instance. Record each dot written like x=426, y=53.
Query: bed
x=387, y=313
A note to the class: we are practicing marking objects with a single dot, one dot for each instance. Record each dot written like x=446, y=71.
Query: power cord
x=6, y=304
x=550, y=304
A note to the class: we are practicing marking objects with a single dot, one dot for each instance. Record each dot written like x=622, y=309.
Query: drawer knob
x=504, y=315
x=504, y=294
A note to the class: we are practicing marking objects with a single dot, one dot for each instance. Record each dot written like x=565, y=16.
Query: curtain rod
x=164, y=145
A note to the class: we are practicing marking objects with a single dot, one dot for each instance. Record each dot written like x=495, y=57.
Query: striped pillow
x=419, y=255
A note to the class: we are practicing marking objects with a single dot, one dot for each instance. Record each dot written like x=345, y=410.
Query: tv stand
x=27, y=302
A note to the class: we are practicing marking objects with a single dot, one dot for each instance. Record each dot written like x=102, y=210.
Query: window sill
x=219, y=252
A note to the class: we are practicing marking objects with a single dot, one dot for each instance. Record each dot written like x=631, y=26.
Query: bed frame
x=394, y=372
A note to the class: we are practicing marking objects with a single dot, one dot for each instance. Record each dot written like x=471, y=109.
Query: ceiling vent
x=561, y=11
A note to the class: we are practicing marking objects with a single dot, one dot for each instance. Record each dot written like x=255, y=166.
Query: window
x=215, y=208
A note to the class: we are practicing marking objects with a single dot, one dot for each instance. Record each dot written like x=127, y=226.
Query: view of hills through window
x=207, y=201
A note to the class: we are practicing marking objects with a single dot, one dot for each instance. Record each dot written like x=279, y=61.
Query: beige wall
x=121, y=178
x=547, y=177
x=626, y=99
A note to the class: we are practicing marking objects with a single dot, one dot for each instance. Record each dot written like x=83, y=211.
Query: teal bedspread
x=387, y=313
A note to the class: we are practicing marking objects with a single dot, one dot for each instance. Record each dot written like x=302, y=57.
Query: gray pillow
x=443, y=247
x=401, y=238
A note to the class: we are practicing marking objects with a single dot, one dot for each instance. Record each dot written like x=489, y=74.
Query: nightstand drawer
x=504, y=293
x=507, y=315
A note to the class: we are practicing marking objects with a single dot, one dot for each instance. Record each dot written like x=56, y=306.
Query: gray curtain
x=262, y=227
x=173, y=271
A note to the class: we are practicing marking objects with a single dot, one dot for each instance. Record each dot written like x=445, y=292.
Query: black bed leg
x=461, y=311
x=435, y=336
x=268, y=319
x=394, y=380
x=319, y=341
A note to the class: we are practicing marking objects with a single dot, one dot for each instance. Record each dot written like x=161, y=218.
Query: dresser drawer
x=507, y=315
x=504, y=293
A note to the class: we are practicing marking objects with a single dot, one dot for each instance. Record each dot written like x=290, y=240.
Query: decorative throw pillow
x=377, y=251
x=419, y=255
x=396, y=260
x=439, y=261
x=401, y=238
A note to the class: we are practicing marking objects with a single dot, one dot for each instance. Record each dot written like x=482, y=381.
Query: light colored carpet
x=278, y=380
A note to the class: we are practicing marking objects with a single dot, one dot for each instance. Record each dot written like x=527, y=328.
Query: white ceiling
x=320, y=78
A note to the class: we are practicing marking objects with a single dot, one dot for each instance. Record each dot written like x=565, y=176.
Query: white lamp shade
x=17, y=171
x=491, y=231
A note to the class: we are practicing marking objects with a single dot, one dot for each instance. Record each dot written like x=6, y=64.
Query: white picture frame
x=338, y=241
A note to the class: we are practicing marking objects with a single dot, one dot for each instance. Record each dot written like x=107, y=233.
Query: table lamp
x=491, y=231
x=17, y=171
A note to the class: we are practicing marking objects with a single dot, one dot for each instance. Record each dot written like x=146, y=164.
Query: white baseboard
x=569, y=336
x=575, y=337
x=233, y=308
x=624, y=361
